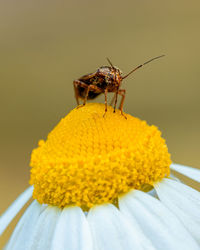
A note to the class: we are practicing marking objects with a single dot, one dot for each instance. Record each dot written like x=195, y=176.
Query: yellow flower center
x=89, y=159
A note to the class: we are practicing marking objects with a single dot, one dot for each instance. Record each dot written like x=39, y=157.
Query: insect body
x=105, y=79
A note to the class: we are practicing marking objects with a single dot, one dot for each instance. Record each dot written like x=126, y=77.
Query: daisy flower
x=104, y=183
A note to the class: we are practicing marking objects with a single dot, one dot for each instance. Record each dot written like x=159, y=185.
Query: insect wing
x=87, y=77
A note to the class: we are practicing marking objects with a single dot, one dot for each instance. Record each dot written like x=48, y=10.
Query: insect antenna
x=142, y=65
x=109, y=62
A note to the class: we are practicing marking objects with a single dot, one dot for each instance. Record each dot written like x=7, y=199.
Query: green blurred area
x=45, y=45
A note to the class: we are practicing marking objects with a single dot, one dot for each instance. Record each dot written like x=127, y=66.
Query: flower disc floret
x=91, y=159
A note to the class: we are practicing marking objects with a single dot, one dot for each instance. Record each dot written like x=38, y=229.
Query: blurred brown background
x=45, y=45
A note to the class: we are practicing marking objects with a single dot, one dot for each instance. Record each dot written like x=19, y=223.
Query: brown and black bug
x=105, y=79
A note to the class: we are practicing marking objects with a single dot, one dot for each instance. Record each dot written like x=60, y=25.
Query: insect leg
x=122, y=92
x=116, y=95
x=113, y=99
x=83, y=85
x=86, y=94
x=89, y=88
x=105, y=92
x=76, y=92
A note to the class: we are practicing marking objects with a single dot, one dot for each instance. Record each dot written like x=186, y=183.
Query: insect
x=105, y=79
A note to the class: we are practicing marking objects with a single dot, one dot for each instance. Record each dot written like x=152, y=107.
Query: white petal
x=190, y=172
x=14, y=208
x=23, y=231
x=183, y=201
x=111, y=230
x=152, y=192
x=173, y=177
x=157, y=222
x=42, y=234
x=72, y=231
